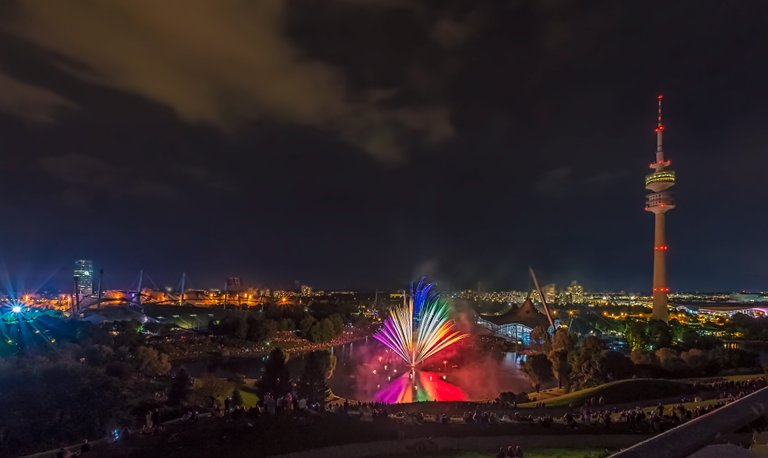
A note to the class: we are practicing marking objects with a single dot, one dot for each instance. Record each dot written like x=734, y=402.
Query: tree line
x=658, y=349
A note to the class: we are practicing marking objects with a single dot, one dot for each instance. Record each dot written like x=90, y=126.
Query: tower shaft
x=660, y=288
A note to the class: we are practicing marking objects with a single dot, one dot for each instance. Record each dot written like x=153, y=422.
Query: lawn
x=540, y=453
x=621, y=391
x=741, y=378
x=248, y=393
x=250, y=398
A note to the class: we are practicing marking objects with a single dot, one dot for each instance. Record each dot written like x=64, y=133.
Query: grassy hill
x=621, y=391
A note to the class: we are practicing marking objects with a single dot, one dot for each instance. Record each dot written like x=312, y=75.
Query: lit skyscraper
x=84, y=276
x=659, y=202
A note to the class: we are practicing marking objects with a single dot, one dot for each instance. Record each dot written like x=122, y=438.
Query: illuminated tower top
x=661, y=179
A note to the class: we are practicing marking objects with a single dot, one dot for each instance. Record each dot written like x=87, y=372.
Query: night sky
x=362, y=143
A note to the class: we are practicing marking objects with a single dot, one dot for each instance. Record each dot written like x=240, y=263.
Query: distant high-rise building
x=306, y=290
x=234, y=284
x=84, y=276
x=550, y=293
x=574, y=293
x=659, y=202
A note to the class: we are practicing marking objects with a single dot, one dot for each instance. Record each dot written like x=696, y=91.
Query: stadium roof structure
x=526, y=314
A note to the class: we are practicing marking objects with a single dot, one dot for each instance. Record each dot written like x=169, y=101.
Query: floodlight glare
x=16, y=309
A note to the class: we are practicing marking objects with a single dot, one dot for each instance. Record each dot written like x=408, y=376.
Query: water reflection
x=371, y=372
x=420, y=386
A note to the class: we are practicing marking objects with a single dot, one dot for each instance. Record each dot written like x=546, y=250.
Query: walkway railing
x=696, y=434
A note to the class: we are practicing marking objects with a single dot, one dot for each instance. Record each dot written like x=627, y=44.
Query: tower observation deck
x=659, y=202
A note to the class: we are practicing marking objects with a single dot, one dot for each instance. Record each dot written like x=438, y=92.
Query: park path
x=489, y=444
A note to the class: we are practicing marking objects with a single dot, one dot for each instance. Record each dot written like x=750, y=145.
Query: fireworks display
x=420, y=386
x=420, y=328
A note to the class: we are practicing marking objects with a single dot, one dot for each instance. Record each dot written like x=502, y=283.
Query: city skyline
x=472, y=143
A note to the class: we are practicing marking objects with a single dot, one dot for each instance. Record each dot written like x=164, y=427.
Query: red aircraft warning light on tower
x=659, y=202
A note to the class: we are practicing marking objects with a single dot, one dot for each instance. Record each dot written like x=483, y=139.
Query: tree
x=583, y=361
x=338, y=323
x=696, y=359
x=151, y=362
x=212, y=387
x=560, y=366
x=241, y=329
x=689, y=339
x=98, y=355
x=562, y=345
x=322, y=331
x=640, y=357
x=179, y=392
x=234, y=325
x=592, y=345
x=538, y=369
x=313, y=382
x=563, y=340
x=636, y=335
x=276, y=378
x=669, y=360
x=540, y=338
x=118, y=369
x=659, y=334
x=45, y=405
x=260, y=330
x=286, y=324
x=306, y=324
x=613, y=365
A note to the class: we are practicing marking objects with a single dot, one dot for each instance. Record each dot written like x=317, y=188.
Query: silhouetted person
x=156, y=419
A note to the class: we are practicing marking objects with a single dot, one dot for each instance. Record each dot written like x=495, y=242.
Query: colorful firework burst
x=421, y=328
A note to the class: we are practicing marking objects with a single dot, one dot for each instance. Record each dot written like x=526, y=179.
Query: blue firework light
x=423, y=294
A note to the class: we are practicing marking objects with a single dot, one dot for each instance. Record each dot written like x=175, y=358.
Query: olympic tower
x=659, y=202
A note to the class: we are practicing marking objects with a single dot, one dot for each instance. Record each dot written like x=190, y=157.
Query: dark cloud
x=451, y=33
x=553, y=181
x=30, y=102
x=87, y=172
x=223, y=63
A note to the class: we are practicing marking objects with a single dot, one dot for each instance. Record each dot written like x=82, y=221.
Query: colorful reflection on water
x=420, y=386
x=369, y=371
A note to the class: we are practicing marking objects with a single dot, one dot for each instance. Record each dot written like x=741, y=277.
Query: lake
x=368, y=371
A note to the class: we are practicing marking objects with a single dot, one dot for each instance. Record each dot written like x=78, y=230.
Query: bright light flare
x=16, y=309
x=421, y=328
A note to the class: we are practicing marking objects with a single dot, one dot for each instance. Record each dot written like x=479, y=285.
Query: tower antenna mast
x=659, y=134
